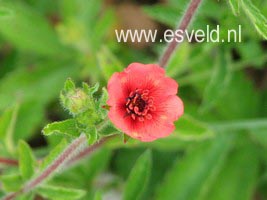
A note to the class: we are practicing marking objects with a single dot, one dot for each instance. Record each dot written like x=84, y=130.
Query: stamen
x=139, y=105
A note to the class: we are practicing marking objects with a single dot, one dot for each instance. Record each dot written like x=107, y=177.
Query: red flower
x=143, y=102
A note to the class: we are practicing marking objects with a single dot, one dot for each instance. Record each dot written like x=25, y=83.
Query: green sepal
x=92, y=135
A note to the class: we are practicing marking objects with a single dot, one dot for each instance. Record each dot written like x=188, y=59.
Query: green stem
x=242, y=124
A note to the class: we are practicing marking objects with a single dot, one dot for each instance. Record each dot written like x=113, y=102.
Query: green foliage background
x=218, y=150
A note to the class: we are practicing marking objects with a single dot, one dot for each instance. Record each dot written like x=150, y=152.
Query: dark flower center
x=139, y=104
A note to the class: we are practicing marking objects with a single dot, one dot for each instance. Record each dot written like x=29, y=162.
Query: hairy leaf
x=67, y=127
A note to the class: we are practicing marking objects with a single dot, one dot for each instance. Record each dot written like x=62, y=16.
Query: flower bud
x=75, y=100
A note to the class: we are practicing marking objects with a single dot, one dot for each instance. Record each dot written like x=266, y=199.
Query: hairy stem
x=187, y=18
x=87, y=151
x=9, y=162
x=64, y=157
x=71, y=155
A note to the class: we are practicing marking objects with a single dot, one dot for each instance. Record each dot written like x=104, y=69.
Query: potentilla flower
x=143, y=102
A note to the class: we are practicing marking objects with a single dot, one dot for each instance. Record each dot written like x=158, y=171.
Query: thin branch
x=68, y=157
x=187, y=18
x=8, y=161
x=64, y=157
x=87, y=151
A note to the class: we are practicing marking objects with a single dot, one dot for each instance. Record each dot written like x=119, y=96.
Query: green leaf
x=178, y=61
x=53, y=154
x=27, y=196
x=28, y=30
x=27, y=160
x=96, y=164
x=257, y=18
x=102, y=103
x=259, y=135
x=11, y=182
x=219, y=81
x=29, y=119
x=168, y=15
x=255, y=124
x=193, y=174
x=7, y=126
x=67, y=127
x=234, y=4
x=91, y=134
x=138, y=178
x=5, y=120
x=237, y=108
x=108, y=63
x=69, y=85
x=60, y=193
x=101, y=29
x=238, y=178
x=189, y=128
x=91, y=90
x=108, y=129
x=5, y=12
x=45, y=77
x=98, y=196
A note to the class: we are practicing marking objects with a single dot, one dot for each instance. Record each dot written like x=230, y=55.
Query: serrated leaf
x=219, y=81
x=35, y=34
x=190, y=176
x=11, y=182
x=234, y=4
x=67, y=127
x=257, y=18
x=60, y=193
x=108, y=63
x=53, y=154
x=27, y=160
x=139, y=177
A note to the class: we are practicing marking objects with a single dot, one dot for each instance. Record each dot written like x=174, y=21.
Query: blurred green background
x=218, y=151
